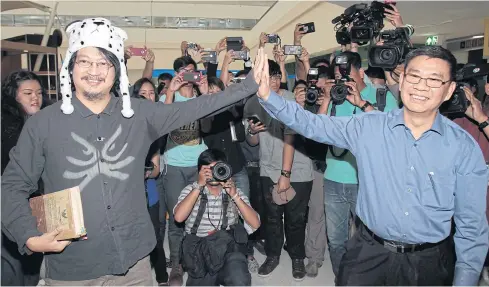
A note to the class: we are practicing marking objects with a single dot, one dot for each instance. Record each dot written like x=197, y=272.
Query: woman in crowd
x=22, y=96
x=145, y=89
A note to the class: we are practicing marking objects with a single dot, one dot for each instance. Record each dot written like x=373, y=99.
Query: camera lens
x=386, y=55
x=339, y=93
x=221, y=171
x=312, y=95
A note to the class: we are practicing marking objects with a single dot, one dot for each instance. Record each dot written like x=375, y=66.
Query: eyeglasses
x=276, y=77
x=430, y=82
x=85, y=64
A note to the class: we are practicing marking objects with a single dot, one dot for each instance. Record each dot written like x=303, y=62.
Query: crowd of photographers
x=240, y=180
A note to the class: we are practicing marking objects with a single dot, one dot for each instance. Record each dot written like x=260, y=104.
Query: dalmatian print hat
x=95, y=32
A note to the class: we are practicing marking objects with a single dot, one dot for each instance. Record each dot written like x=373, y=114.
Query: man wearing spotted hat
x=97, y=139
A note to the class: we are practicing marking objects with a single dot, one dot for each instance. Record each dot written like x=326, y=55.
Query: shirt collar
x=85, y=112
x=397, y=119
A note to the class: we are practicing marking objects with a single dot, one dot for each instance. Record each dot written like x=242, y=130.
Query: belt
x=252, y=164
x=399, y=247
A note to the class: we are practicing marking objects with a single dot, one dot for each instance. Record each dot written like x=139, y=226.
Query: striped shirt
x=213, y=216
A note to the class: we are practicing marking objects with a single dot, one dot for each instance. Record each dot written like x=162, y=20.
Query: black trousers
x=258, y=203
x=233, y=273
x=17, y=269
x=295, y=217
x=157, y=256
x=366, y=262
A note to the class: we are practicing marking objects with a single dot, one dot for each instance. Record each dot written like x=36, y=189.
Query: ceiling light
x=478, y=37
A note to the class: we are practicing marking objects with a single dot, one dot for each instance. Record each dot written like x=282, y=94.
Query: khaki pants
x=138, y=275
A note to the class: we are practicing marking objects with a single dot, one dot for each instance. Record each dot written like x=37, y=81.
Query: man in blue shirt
x=417, y=170
x=340, y=177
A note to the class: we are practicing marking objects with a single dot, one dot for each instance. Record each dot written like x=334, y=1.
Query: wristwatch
x=196, y=185
x=484, y=124
x=366, y=105
x=248, y=64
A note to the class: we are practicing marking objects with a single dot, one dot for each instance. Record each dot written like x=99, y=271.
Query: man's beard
x=92, y=96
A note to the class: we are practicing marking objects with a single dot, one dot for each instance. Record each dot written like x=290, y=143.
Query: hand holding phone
x=138, y=51
x=308, y=28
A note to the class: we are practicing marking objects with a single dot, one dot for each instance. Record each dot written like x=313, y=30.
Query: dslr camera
x=312, y=92
x=365, y=21
x=393, y=52
x=459, y=103
x=221, y=171
x=339, y=91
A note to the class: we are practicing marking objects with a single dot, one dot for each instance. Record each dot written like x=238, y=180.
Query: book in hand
x=61, y=209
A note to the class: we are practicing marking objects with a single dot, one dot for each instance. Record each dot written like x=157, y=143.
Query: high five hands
x=261, y=74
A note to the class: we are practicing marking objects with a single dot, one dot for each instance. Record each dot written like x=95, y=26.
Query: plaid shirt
x=213, y=216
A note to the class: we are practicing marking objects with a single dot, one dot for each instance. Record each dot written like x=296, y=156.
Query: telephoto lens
x=221, y=171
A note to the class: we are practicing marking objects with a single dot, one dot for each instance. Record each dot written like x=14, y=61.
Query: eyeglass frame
x=426, y=79
x=97, y=64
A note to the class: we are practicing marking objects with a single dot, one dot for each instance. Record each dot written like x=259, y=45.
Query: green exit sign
x=431, y=41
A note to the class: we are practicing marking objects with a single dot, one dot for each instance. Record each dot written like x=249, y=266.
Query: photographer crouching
x=214, y=246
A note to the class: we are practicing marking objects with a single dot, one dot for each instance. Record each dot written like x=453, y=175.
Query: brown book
x=61, y=209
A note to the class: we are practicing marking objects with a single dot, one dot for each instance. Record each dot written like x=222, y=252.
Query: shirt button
x=415, y=144
x=112, y=228
x=98, y=116
x=409, y=190
x=102, y=160
x=109, y=207
x=105, y=183
x=99, y=138
x=412, y=168
x=406, y=213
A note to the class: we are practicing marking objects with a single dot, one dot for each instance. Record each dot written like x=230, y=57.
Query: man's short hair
x=274, y=68
x=325, y=72
x=434, y=52
x=215, y=81
x=353, y=58
x=299, y=82
x=320, y=61
x=209, y=156
x=165, y=76
x=183, y=62
x=375, y=73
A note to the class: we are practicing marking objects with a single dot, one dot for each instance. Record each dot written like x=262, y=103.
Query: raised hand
x=393, y=16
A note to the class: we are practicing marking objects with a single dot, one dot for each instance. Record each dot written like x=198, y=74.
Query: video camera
x=365, y=21
x=339, y=91
x=393, y=52
x=459, y=103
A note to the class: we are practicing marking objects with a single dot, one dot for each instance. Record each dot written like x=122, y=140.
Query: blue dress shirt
x=409, y=189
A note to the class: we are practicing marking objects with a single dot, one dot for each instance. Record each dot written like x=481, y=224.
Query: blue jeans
x=340, y=202
x=242, y=182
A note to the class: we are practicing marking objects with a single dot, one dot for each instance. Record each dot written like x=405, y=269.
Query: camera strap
x=330, y=147
x=381, y=98
x=202, y=207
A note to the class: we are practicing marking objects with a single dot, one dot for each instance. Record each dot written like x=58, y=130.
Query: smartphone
x=234, y=43
x=192, y=46
x=292, y=50
x=192, y=77
x=273, y=38
x=209, y=56
x=254, y=119
x=138, y=51
x=240, y=55
x=308, y=28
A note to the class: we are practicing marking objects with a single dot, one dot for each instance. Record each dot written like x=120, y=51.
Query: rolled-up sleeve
x=343, y=132
x=471, y=235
